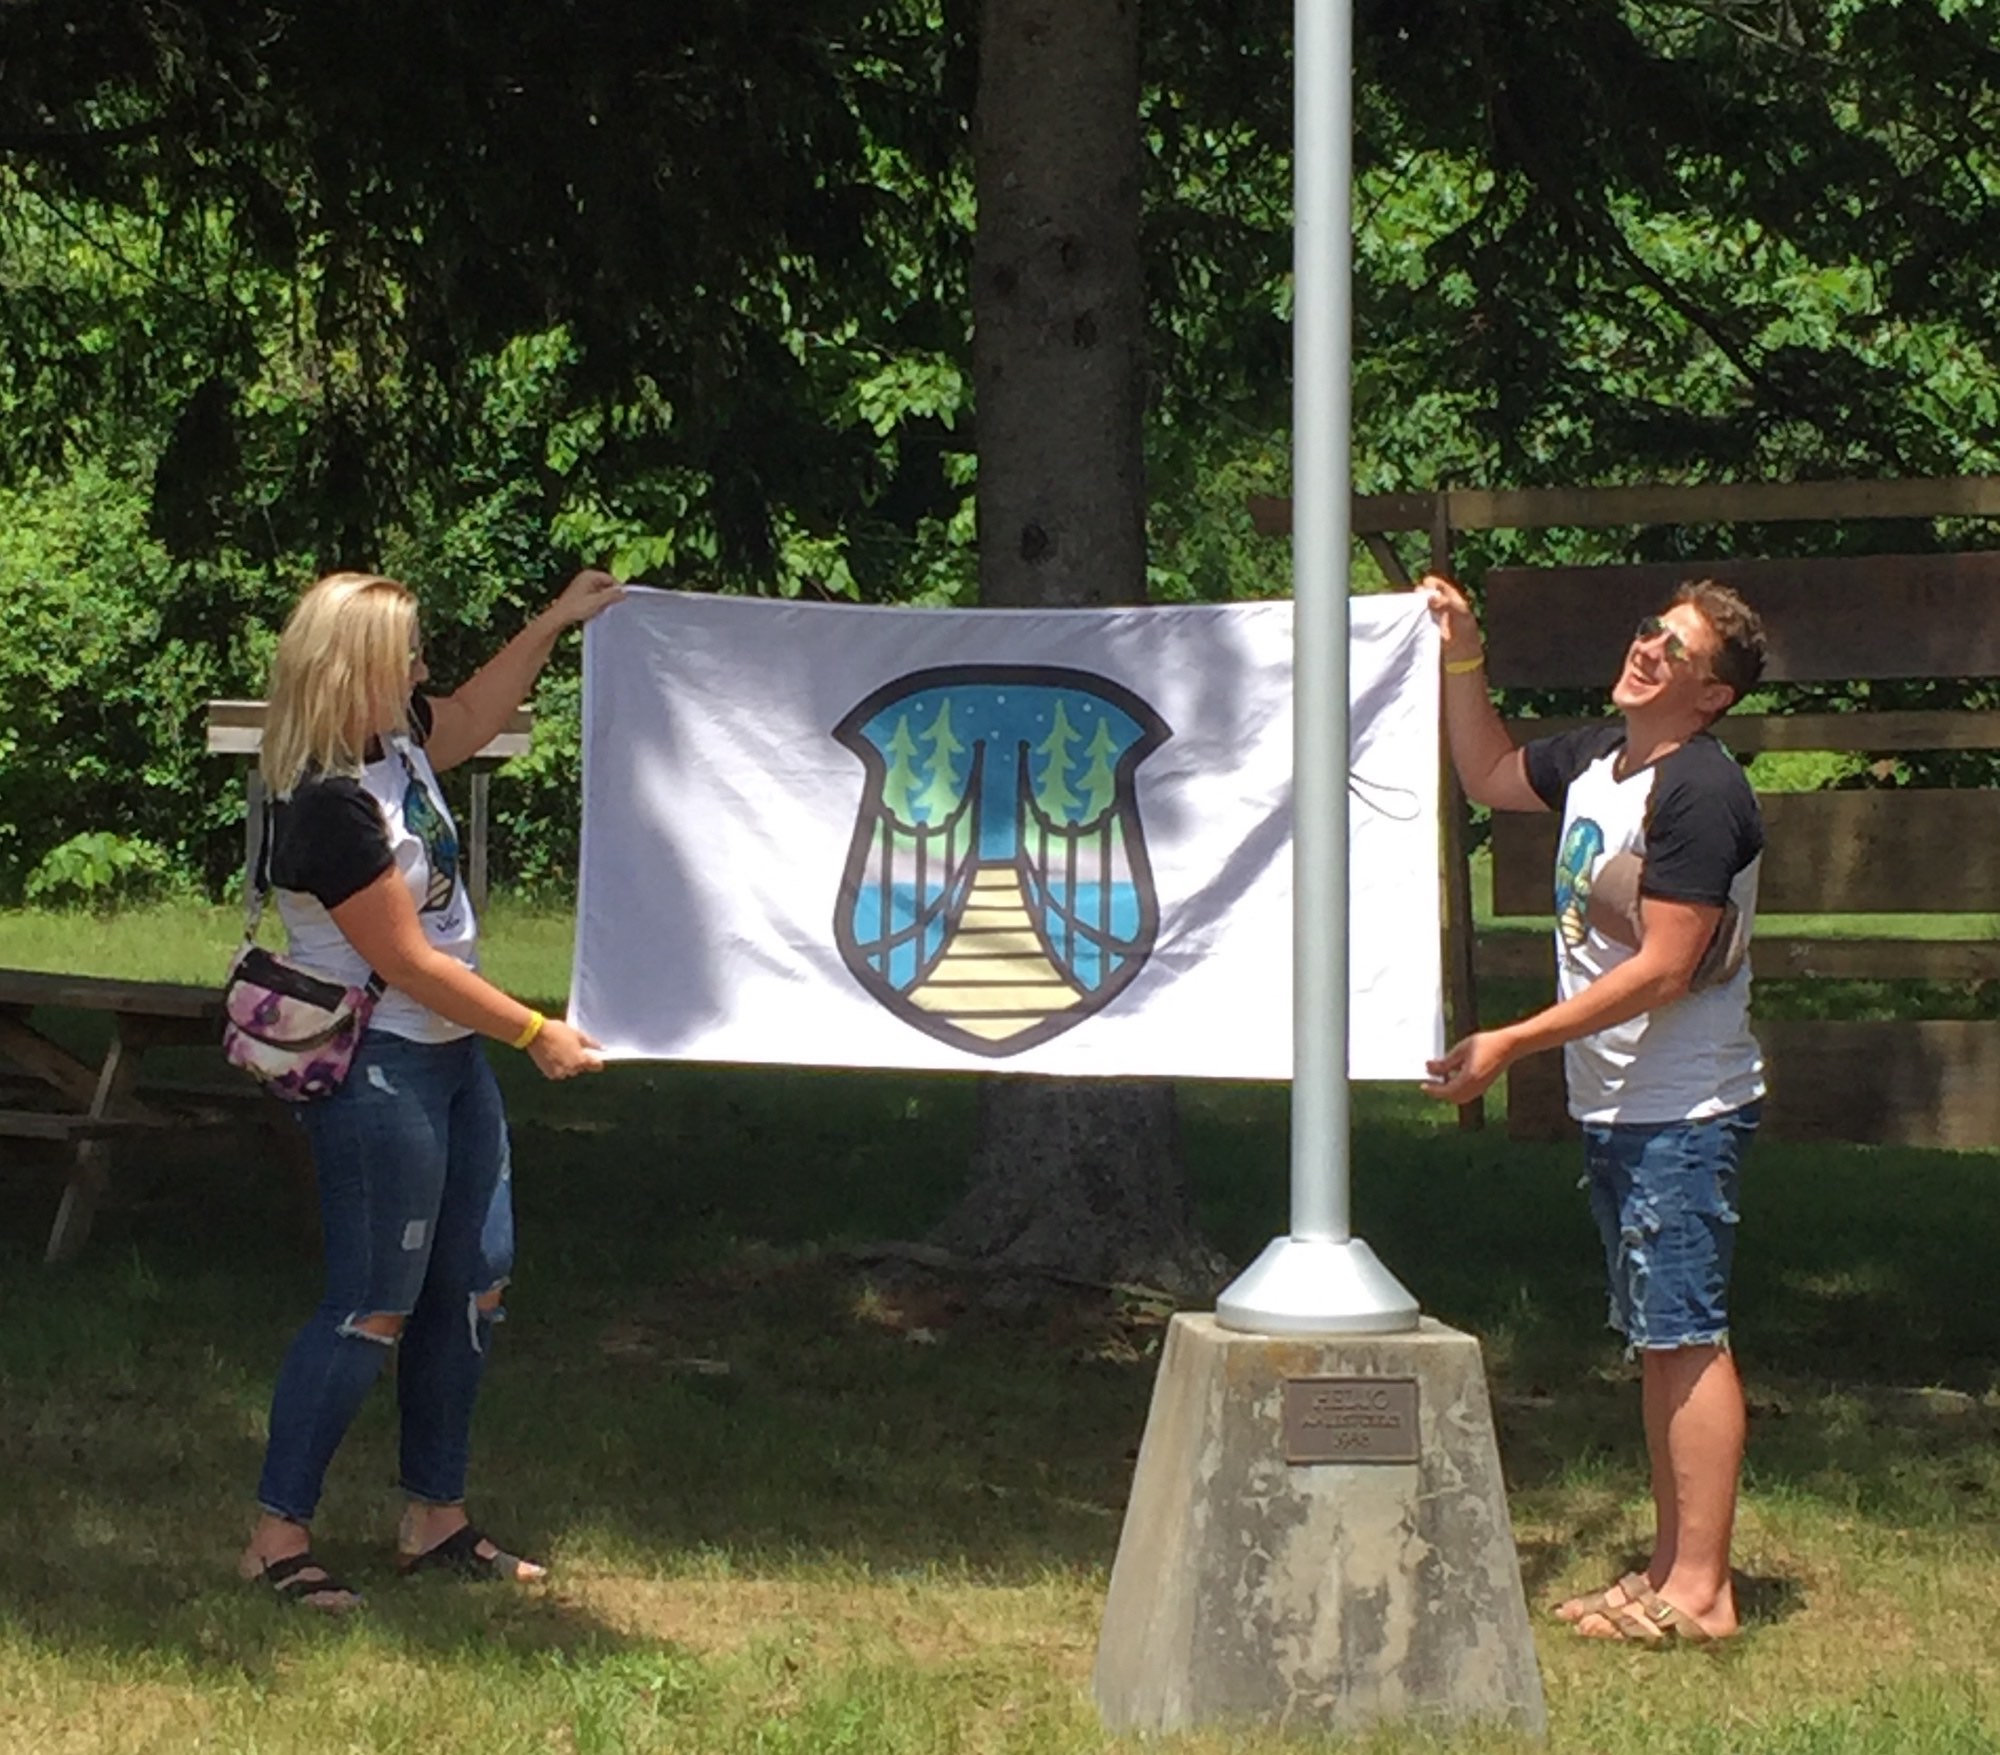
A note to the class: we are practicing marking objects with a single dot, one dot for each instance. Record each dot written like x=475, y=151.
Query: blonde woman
x=411, y=1152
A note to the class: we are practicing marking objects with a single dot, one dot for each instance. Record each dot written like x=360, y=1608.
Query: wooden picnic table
x=90, y=1106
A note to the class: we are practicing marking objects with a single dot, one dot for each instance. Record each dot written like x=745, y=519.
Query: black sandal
x=285, y=1579
x=459, y=1553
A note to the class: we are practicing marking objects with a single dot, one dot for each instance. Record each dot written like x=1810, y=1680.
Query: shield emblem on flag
x=997, y=890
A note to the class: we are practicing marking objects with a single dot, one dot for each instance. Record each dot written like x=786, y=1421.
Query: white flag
x=1041, y=841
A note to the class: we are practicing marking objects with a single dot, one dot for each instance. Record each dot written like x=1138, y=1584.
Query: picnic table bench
x=73, y=1102
x=54, y=1096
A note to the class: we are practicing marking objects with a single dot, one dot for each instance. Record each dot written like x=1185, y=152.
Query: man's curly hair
x=1740, y=660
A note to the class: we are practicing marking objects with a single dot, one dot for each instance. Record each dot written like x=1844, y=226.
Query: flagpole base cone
x=1316, y=1286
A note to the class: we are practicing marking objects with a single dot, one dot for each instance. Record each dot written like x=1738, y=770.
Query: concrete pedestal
x=1317, y=1595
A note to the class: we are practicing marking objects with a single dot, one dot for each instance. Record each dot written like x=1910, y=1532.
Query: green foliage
x=98, y=870
x=331, y=246
x=112, y=648
x=1803, y=770
x=537, y=799
x=272, y=300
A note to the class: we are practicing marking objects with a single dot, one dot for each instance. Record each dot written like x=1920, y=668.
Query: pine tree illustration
x=1100, y=782
x=940, y=798
x=900, y=781
x=1052, y=791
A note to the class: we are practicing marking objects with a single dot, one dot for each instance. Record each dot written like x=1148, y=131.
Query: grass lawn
x=791, y=1512
x=527, y=950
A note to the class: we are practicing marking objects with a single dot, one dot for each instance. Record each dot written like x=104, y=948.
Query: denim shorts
x=1664, y=1197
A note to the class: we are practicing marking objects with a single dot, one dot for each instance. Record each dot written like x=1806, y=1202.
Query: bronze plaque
x=1350, y=1419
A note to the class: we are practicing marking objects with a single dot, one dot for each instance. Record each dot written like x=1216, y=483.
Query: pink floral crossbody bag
x=292, y=1030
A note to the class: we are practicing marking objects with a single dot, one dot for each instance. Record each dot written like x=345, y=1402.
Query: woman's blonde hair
x=341, y=677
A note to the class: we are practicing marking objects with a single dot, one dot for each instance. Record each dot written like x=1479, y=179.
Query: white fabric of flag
x=1035, y=841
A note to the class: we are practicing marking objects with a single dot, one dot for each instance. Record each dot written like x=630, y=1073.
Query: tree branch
x=79, y=142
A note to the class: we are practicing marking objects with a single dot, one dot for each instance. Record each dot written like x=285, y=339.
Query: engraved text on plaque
x=1350, y=1419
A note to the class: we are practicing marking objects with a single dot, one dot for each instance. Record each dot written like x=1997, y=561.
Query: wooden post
x=1387, y=558
x=475, y=875
x=1461, y=981
x=90, y=1167
x=256, y=804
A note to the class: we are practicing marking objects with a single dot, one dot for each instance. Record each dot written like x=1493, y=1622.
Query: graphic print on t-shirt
x=1580, y=848
x=440, y=841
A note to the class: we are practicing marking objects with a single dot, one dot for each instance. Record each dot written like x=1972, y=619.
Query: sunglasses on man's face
x=1651, y=628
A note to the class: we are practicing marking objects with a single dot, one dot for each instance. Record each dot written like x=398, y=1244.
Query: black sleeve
x=1702, y=826
x=328, y=839
x=1553, y=762
x=421, y=719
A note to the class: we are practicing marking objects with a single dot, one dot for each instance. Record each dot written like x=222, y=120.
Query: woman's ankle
x=424, y=1525
x=275, y=1538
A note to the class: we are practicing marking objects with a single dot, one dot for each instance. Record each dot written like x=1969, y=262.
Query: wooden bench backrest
x=236, y=728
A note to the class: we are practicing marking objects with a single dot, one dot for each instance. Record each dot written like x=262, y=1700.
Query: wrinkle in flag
x=1027, y=841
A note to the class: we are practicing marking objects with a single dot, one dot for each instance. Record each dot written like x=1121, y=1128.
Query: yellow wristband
x=529, y=1031
x=1464, y=666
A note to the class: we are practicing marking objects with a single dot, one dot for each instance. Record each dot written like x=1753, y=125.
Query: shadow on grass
x=684, y=1382
x=1764, y=1601
x=693, y=1377
x=133, y=1387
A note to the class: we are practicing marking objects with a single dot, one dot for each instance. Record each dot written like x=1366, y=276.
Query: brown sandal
x=1676, y=1626
x=1599, y=1602
x=1649, y=1619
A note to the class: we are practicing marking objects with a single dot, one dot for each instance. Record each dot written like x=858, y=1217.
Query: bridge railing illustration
x=1087, y=853
x=907, y=855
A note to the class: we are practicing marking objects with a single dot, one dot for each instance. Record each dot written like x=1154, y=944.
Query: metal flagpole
x=1321, y=1279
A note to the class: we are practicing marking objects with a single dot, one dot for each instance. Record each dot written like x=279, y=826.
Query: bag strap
x=258, y=887
x=257, y=881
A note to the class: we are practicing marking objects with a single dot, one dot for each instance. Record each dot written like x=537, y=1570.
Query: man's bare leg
x=1695, y=1424
x=1655, y=1409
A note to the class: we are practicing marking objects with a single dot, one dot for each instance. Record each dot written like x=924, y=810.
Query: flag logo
x=997, y=890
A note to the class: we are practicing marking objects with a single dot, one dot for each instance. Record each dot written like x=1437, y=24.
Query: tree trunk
x=1058, y=305
x=1082, y=1177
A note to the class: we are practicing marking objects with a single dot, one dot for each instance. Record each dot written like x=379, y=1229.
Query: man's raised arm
x=1491, y=767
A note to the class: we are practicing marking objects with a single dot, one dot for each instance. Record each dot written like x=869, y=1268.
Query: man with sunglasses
x=1656, y=887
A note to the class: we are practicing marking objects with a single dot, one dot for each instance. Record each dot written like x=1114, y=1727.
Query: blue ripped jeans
x=416, y=1206
x=1665, y=1198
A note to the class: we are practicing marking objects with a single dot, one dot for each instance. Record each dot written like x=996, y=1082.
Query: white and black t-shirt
x=1691, y=819
x=336, y=834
